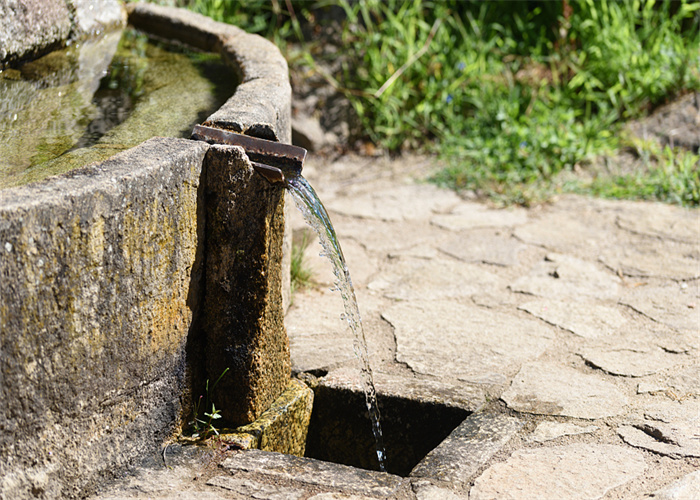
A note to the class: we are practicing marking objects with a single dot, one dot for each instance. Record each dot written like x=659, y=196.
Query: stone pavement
x=579, y=319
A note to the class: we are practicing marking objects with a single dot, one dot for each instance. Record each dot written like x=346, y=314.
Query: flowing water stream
x=315, y=214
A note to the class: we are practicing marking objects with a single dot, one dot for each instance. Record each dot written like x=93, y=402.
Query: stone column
x=243, y=310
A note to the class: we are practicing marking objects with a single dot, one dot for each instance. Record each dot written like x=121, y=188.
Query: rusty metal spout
x=273, y=160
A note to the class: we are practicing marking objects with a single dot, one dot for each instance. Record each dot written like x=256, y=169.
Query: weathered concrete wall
x=30, y=28
x=260, y=107
x=99, y=278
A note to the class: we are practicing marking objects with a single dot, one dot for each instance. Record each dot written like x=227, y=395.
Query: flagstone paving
x=578, y=319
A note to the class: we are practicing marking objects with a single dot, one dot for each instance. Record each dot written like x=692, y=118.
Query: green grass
x=510, y=101
x=667, y=175
x=509, y=94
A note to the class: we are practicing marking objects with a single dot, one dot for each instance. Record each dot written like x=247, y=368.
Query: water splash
x=316, y=216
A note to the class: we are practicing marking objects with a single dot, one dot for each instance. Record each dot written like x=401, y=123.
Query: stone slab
x=475, y=215
x=686, y=381
x=458, y=341
x=390, y=238
x=485, y=245
x=567, y=276
x=426, y=391
x=576, y=471
x=685, y=488
x=243, y=308
x=632, y=359
x=586, y=319
x=318, y=337
x=307, y=471
x=547, y=431
x=282, y=427
x=658, y=259
x=468, y=448
x=672, y=304
x=172, y=473
x=575, y=227
x=389, y=204
x=668, y=428
x=407, y=278
x=549, y=389
x=32, y=27
x=426, y=490
x=660, y=220
x=251, y=488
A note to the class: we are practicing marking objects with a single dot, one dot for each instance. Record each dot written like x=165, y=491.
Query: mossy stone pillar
x=244, y=316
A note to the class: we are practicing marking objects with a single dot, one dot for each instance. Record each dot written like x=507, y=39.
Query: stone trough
x=122, y=283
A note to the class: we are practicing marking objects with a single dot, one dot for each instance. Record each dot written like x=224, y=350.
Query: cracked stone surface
x=474, y=215
x=672, y=304
x=484, y=245
x=685, y=488
x=654, y=260
x=632, y=359
x=424, y=490
x=584, y=318
x=668, y=429
x=478, y=345
x=547, y=431
x=389, y=204
x=549, y=389
x=431, y=279
x=559, y=276
x=305, y=471
x=583, y=471
x=468, y=448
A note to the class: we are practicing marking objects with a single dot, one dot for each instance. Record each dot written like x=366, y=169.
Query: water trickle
x=316, y=216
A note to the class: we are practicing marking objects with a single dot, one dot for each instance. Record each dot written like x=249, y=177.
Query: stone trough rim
x=264, y=76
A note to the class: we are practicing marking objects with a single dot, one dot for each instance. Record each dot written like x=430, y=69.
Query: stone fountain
x=126, y=284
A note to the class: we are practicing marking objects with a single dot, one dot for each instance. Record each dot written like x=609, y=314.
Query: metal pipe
x=273, y=160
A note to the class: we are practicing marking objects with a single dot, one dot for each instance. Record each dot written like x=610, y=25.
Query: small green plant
x=204, y=427
x=300, y=273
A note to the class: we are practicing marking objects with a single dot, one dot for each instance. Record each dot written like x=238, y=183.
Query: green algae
x=51, y=120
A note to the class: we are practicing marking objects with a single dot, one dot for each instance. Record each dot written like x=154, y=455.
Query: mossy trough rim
x=259, y=106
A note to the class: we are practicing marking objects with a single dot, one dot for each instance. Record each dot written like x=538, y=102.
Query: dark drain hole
x=340, y=429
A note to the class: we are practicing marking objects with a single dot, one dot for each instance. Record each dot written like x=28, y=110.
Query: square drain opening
x=340, y=429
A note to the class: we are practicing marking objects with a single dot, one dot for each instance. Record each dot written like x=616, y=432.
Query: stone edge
x=271, y=430
x=71, y=20
x=261, y=68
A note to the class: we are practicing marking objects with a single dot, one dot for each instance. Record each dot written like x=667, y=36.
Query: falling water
x=315, y=214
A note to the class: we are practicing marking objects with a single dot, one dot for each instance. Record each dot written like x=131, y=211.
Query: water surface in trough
x=91, y=100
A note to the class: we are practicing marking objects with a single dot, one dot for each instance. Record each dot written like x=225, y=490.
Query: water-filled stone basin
x=102, y=280
x=87, y=102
